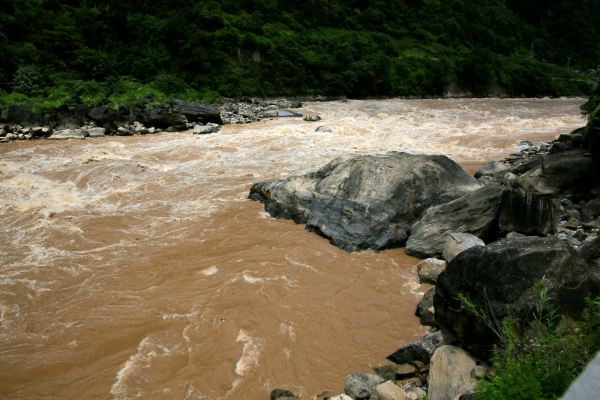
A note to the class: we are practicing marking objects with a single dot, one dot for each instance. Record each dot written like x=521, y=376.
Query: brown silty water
x=136, y=267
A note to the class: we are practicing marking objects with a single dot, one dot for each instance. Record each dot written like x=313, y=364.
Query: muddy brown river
x=135, y=267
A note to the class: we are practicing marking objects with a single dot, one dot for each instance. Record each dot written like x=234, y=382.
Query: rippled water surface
x=136, y=268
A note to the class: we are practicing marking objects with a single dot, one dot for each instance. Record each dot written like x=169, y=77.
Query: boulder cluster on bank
x=530, y=219
x=80, y=121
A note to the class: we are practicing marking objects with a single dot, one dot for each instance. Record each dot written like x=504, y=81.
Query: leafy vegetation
x=114, y=51
x=538, y=360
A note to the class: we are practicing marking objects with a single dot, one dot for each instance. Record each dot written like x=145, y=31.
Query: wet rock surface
x=365, y=202
x=503, y=278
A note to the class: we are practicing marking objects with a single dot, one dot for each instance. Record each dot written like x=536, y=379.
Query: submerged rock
x=502, y=279
x=312, y=117
x=365, y=201
x=282, y=394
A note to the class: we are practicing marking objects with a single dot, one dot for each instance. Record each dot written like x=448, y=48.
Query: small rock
x=151, y=130
x=3, y=140
x=341, y=397
x=11, y=136
x=324, y=129
x=206, y=129
x=450, y=374
x=421, y=350
x=492, y=168
x=269, y=114
x=360, y=386
x=456, y=243
x=429, y=269
x=390, y=391
x=312, y=117
x=122, y=131
x=20, y=136
x=95, y=132
x=63, y=134
x=2, y=132
x=425, y=310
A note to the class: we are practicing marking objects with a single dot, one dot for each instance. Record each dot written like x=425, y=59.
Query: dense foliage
x=116, y=51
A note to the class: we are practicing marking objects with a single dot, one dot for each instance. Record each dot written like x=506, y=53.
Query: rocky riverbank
x=530, y=219
x=79, y=121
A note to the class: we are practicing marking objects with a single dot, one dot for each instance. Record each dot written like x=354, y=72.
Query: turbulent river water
x=135, y=267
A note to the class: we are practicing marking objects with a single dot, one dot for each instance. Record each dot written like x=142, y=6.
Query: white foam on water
x=147, y=350
x=301, y=264
x=253, y=280
x=25, y=192
x=210, y=271
x=251, y=350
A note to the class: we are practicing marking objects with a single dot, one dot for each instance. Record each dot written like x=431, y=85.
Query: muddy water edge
x=136, y=267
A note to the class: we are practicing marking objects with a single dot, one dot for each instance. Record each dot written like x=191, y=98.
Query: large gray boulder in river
x=366, y=202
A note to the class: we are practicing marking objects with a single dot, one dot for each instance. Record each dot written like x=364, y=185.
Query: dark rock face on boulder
x=163, y=118
x=475, y=213
x=19, y=115
x=366, y=201
x=196, y=112
x=422, y=349
x=425, y=310
x=502, y=280
x=527, y=212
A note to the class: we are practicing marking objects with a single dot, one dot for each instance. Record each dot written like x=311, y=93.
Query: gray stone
x=429, y=269
x=152, y=130
x=63, y=134
x=206, y=129
x=365, y=201
x=475, y=213
x=10, y=136
x=312, y=118
x=122, y=131
x=360, y=386
x=324, y=129
x=388, y=390
x=491, y=169
x=421, y=350
x=413, y=392
x=450, y=374
x=456, y=243
x=269, y=114
x=95, y=132
x=425, y=310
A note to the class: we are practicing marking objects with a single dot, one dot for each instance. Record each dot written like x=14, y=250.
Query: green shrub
x=540, y=360
x=28, y=80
